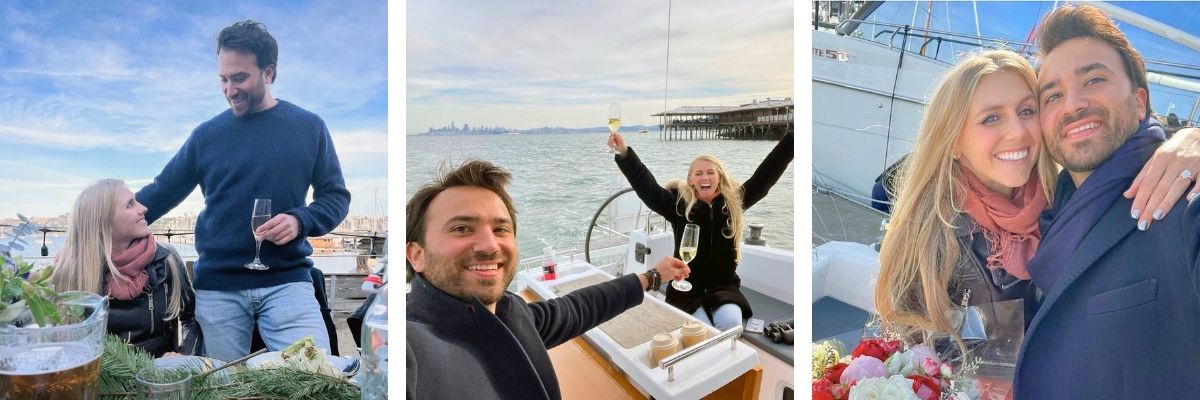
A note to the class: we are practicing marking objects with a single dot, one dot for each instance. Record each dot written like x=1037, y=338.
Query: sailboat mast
x=662, y=127
x=928, y=18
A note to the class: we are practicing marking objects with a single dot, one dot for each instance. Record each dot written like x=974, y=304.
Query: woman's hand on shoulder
x=1171, y=172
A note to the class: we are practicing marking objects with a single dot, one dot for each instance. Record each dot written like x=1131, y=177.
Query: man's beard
x=1087, y=155
x=254, y=99
x=447, y=275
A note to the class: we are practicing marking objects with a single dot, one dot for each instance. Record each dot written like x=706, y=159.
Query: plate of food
x=303, y=355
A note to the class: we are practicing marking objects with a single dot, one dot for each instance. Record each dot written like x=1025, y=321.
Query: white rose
x=893, y=388
x=899, y=388
x=901, y=364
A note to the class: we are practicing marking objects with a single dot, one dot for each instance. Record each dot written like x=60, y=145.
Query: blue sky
x=91, y=90
x=535, y=63
x=1014, y=20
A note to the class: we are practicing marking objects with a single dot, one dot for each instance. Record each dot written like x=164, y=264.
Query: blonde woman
x=712, y=199
x=110, y=251
x=966, y=215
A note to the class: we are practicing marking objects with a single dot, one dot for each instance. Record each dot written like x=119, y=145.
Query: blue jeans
x=726, y=316
x=285, y=313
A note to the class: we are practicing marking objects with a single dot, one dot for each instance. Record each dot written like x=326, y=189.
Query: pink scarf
x=131, y=263
x=1009, y=225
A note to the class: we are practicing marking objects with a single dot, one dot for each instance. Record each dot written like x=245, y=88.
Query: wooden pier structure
x=770, y=119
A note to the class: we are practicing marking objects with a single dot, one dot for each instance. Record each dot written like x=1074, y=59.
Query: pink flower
x=892, y=346
x=839, y=391
x=931, y=367
x=946, y=370
x=864, y=367
x=920, y=356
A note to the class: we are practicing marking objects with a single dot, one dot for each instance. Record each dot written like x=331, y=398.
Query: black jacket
x=986, y=285
x=460, y=350
x=714, y=277
x=140, y=323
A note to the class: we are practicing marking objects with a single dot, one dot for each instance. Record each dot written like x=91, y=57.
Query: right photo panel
x=1002, y=200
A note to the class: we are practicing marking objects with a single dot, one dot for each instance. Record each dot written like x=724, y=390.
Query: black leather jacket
x=140, y=322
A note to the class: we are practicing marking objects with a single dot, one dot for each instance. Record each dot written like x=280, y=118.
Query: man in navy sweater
x=261, y=148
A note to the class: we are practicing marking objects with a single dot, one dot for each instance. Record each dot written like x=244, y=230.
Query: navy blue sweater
x=274, y=154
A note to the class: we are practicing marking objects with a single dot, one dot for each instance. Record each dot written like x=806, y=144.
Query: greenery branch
x=22, y=290
x=121, y=362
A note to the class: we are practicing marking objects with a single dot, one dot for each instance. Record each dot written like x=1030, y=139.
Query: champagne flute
x=614, y=121
x=260, y=216
x=687, y=252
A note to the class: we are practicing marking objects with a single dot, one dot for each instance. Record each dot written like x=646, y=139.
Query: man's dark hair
x=252, y=37
x=1072, y=21
x=476, y=173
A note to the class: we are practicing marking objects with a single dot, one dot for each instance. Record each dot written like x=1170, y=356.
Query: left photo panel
x=195, y=200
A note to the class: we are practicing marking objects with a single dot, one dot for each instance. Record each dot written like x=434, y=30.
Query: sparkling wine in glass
x=687, y=251
x=262, y=214
x=614, y=120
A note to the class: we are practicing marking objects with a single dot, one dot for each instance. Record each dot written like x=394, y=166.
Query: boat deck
x=770, y=310
x=836, y=218
x=838, y=320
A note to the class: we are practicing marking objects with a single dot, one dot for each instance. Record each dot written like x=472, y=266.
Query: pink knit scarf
x=1009, y=225
x=131, y=263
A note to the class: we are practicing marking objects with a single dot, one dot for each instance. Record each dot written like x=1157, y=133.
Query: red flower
x=891, y=346
x=872, y=348
x=925, y=387
x=820, y=385
x=820, y=389
x=834, y=374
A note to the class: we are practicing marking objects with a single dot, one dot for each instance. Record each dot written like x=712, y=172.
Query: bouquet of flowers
x=884, y=369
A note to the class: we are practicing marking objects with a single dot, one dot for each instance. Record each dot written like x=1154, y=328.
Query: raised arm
x=769, y=171
x=658, y=198
x=172, y=185
x=1171, y=171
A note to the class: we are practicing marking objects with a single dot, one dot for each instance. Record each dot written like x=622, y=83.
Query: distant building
x=768, y=119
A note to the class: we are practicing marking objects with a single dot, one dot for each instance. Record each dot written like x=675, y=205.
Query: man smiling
x=260, y=148
x=469, y=339
x=1121, y=312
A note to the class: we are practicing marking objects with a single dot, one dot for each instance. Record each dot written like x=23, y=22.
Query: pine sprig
x=285, y=383
x=121, y=362
x=118, y=365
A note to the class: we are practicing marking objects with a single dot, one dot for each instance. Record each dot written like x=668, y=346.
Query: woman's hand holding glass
x=617, y=143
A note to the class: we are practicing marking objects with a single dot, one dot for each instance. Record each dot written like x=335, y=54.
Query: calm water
x=559, y=180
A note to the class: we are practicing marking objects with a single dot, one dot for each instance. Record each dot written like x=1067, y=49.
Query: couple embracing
x=1102, y=254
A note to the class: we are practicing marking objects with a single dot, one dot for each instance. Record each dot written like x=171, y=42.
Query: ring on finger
x=1186, y=174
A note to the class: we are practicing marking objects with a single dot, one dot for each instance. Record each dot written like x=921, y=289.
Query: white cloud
x=537, y=64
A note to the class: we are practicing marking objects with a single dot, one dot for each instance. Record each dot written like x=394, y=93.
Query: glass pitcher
x=56, y=362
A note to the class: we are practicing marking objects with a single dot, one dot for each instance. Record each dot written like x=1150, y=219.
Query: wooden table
x=583, y=373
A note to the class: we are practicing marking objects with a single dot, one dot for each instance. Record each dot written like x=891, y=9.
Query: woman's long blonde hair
x=726, y=186
x=86, y=255
x=920, y=252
